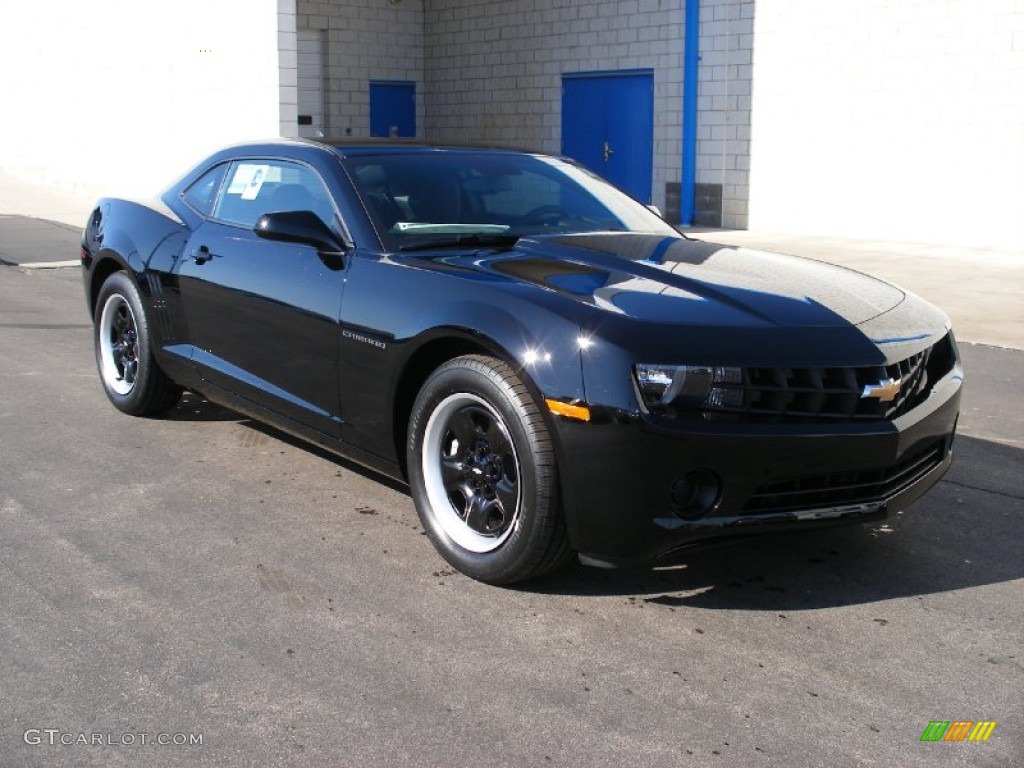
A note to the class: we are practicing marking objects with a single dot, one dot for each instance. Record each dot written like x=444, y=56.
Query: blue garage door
x=608, y=126
x=392, y=108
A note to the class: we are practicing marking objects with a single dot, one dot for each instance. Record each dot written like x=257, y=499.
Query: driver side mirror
x=298, y=227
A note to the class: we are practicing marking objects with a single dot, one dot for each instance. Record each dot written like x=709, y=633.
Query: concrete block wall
x=288, y=68
x=364, y=40
x=890, y=119
x=725, y=79
x=493, y=68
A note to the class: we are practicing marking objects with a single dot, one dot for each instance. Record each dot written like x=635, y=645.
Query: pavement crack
x=970, y=487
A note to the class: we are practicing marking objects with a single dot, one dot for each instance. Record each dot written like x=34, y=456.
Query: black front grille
x=809, y=395
x=843, y=488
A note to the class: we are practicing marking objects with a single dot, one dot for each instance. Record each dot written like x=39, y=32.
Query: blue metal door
x=608, y=126
x=392, y=108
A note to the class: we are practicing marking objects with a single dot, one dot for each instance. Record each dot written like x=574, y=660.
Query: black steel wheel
x=483, y=473
x=131, y=377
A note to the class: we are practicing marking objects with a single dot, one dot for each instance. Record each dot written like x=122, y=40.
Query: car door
x=263, y=315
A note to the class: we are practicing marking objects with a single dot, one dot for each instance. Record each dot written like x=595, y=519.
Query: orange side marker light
x=578, y=412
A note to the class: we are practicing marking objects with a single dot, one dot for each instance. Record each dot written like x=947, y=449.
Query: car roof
x=357, y=147
x=346, y=147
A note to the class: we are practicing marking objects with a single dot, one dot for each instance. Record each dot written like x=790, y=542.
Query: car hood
x=675, y=280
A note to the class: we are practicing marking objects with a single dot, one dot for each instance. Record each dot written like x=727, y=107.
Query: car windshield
x=420, y=200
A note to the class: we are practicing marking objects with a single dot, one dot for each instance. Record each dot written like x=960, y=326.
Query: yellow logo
x=885, y=390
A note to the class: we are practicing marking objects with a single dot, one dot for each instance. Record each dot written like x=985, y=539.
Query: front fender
x=542, y=346
x=395, y=324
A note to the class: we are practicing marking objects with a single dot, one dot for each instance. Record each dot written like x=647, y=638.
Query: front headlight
x=690, y=386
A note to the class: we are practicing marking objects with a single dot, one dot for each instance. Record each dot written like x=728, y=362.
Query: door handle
x=201, y=255
x=608, y=151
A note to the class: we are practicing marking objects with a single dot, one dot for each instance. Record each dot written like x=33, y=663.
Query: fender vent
x=158, y=304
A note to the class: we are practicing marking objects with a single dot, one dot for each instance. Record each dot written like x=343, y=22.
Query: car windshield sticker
x=248, y=180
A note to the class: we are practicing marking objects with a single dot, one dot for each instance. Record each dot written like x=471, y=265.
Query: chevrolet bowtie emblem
x=885, y=390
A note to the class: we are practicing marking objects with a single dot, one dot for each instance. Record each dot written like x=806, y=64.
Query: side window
x=255, y=187
x=202, y=194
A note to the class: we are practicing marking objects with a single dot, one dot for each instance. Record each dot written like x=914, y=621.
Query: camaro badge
x=885, y=390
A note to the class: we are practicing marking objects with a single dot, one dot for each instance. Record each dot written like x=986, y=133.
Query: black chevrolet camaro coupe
x=549, y=365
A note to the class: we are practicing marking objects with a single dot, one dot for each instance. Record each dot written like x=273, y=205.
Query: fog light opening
x=695, y=493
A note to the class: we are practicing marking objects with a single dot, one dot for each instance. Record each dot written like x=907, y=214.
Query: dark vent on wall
x=707, y=205
x=673, y=201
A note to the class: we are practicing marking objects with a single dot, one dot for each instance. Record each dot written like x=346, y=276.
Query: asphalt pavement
x=39, y=242
x=203, y=576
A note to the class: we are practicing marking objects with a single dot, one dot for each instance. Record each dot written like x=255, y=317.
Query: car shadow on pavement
x=195, y=407
x=968, y=531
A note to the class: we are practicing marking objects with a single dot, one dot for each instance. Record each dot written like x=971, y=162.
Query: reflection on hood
x=669, y=279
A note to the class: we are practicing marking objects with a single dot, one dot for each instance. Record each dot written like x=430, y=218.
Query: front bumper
x=619, y=469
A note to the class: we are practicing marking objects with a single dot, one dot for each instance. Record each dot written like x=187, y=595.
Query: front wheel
x=483, y=473
x=131, y=377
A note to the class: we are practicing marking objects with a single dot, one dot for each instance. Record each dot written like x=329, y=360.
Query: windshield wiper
x=488, y=241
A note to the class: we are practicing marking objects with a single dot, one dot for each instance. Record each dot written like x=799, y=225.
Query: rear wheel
x=131, y=377
x=483, y=473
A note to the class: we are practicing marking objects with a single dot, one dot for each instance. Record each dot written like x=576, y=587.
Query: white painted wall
x=724, y=103
x=122, y=96
x=890, y=119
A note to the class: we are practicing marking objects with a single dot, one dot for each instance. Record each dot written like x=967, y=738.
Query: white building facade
x=898, y=119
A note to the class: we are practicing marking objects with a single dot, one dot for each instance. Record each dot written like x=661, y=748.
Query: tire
x=123, y=343
x=483, y=473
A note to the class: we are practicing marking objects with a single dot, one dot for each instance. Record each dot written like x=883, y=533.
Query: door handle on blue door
x=201, y=255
